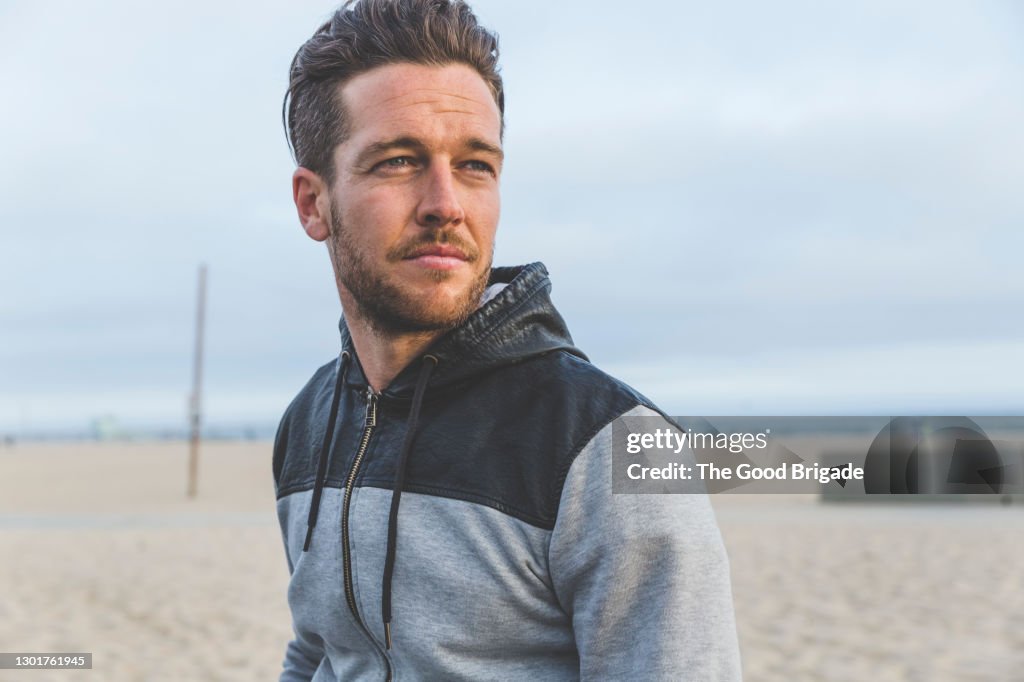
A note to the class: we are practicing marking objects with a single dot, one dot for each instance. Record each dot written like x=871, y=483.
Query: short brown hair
x=367, y=34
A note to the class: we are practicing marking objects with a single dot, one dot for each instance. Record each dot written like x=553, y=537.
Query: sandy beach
x=103, y=553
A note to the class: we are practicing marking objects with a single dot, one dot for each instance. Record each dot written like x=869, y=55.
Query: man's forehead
x=403, y=93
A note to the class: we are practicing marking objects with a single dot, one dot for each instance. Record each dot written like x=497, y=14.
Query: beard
x=389, y=306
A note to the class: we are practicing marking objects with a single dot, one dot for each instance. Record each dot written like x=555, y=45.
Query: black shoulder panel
x=504, y=438
x=301, y=431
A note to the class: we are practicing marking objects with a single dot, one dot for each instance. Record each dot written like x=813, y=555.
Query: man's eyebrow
x=404, y=142
x=407, y=142
x=480, y=145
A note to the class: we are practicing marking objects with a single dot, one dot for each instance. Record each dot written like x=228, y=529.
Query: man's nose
x=439, y=206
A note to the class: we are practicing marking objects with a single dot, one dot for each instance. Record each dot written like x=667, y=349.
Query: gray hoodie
x=460, y=525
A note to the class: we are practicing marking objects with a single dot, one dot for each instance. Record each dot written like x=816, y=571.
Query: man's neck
x=383, y=356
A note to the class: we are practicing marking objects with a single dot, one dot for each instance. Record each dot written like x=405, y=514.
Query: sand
x=852, y=591
x=102, y=553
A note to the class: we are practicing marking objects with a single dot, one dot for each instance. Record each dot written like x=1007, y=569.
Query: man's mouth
x=438, y=257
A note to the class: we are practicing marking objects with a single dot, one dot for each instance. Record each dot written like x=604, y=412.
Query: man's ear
x=312, y=203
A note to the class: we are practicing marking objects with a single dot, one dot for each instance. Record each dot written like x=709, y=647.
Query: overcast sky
x=746, y=207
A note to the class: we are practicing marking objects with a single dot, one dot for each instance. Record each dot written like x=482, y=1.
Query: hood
x=519, y=322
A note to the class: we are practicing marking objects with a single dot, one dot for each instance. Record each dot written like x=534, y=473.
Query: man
x=444, y=486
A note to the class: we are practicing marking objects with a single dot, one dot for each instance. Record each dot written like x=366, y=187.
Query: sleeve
x=303, y=655
x=644, y=577
x=301, y=660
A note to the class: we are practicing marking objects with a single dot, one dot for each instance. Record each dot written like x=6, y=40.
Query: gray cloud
x=732, y=187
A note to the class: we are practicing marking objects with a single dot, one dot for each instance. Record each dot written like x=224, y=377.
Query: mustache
x=437, y=238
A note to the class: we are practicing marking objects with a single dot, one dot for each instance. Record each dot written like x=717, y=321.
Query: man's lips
x=442, y=250
x=438, y=257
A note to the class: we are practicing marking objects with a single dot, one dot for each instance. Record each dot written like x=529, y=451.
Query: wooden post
x=195, y=404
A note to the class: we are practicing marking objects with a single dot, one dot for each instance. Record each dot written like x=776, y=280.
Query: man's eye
x=397, y=162
x=480, y=167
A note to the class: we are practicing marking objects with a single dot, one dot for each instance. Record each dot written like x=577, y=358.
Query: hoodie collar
x=519, y=322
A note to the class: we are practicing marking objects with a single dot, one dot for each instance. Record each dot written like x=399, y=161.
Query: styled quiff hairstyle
x=364, y=35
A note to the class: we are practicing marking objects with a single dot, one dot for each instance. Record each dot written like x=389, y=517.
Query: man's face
x=414, y=204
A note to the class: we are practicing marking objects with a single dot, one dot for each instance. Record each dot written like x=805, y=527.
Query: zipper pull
x=371, y=408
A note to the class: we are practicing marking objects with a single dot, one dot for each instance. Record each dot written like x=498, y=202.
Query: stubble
x=389, y=308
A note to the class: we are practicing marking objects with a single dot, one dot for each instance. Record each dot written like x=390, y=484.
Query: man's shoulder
x=302, y=415
x=544, y=411
x=576, y=382
x=559, y=397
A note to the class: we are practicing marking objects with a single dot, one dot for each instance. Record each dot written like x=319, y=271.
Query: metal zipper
x=368, y=425
x=370, y=422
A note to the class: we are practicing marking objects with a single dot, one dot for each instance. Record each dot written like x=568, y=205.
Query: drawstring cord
x=325, y=451
x=429, y=363
x=323, y=462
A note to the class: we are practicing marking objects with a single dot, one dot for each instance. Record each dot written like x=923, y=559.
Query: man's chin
x=448, y=289
x=411, y=299
x=438, y=309
x=442, y=311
